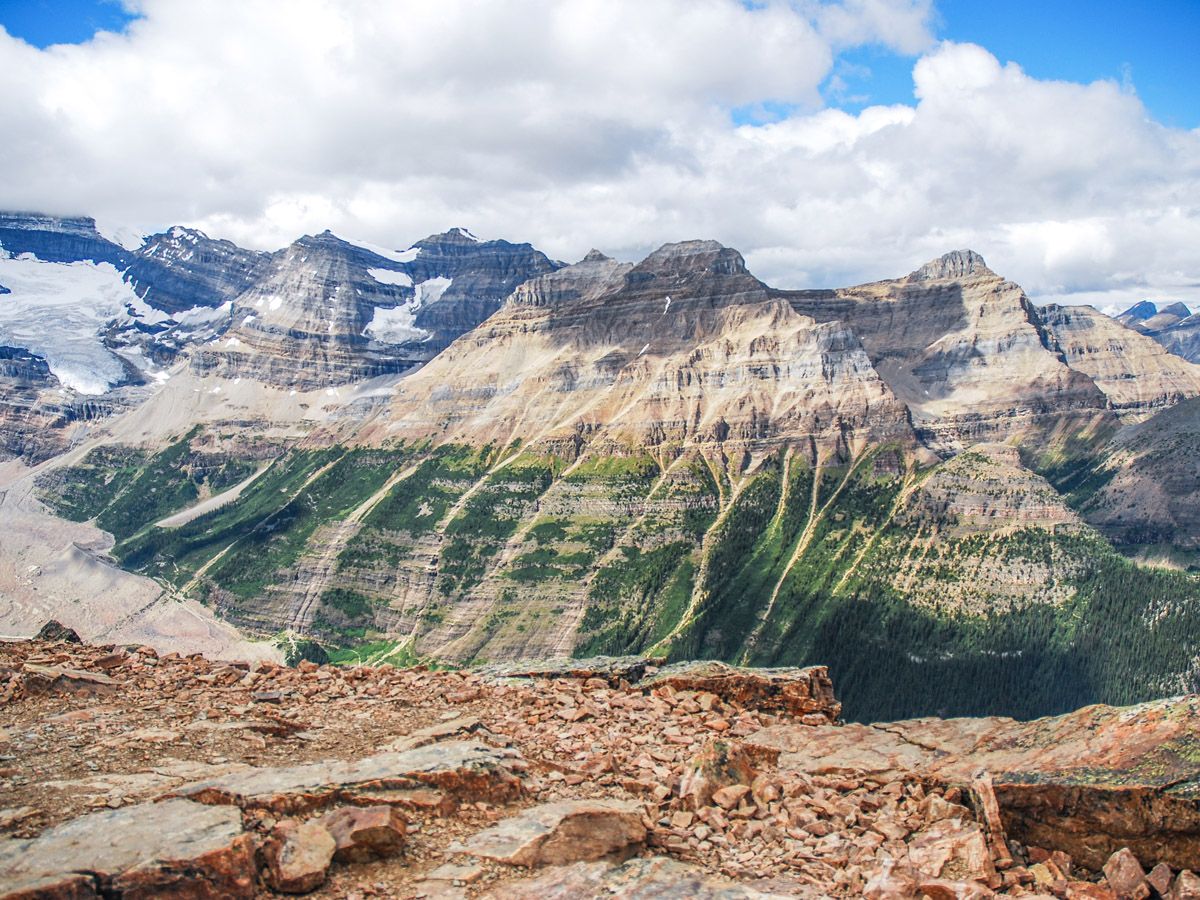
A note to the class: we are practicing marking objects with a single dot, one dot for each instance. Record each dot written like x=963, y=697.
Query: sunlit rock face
x=964, y=349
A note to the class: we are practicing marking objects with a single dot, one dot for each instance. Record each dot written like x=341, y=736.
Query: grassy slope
x=791, y=566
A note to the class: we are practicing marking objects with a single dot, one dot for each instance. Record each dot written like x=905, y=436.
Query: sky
x=831, y=141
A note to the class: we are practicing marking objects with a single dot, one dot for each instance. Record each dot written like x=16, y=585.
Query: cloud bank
x=607, y=123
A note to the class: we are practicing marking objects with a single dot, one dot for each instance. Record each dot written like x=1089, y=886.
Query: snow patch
x=395, y=326
x=388, y=276
x=203, y=315
x=400, y=256
x=431, y=289
x=122, y=235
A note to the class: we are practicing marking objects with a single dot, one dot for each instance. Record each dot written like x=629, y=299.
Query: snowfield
x=395, y=326
x=59, y=310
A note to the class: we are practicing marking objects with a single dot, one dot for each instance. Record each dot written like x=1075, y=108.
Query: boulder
x=1087, y=783
x=39, y=679
x=719, y=765
x=555, y=834
x=1187, y=886
x=952, y=849
x=366, y=833
x=57, y=631
x=459, y=769
x=1126, y=876
x=893, y=882
x=1160, y=879
x=941, y=889
x=296, y=856
x=793, y=691
x=173, y=848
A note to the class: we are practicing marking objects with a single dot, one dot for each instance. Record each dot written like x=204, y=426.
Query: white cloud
x=580, y=123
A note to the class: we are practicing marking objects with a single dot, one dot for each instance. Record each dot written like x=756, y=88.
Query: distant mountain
x=326, y=311
x=1173, y=326
x=110, y=319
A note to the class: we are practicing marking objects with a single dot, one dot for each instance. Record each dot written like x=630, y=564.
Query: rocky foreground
x=128, y=774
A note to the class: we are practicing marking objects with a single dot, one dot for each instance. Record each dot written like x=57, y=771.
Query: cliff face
x=326, y=312
x=963, y=349
x=684, y=348
x=57, y=239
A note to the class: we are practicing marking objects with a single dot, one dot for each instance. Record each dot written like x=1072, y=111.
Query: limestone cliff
x=963, y=349
x=686, y=347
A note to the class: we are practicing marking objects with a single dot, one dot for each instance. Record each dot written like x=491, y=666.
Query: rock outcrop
x=1088, y=783
x=142, y=851
x=712, y=798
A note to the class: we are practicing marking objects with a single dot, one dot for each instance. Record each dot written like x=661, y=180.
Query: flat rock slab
x=173, y=848
x=612, y=669
x=423, y=737
x=460, y=769
x=651, y=878
x=1088, y=783
x=799, y=692
x=558, y=833
x=39, y=678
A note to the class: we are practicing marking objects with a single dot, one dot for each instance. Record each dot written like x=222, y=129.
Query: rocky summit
x=134, y=774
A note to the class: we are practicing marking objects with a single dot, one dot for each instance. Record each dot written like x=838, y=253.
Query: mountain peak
x=595, y=255
x=955, y=264
x=456, y=235
x=1139, y=311
x=692, y=258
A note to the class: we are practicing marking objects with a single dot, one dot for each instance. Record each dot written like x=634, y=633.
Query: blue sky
x=1151, y=44
x=46, y=22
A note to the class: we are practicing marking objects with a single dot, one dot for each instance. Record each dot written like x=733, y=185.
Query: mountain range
x=465, y=451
